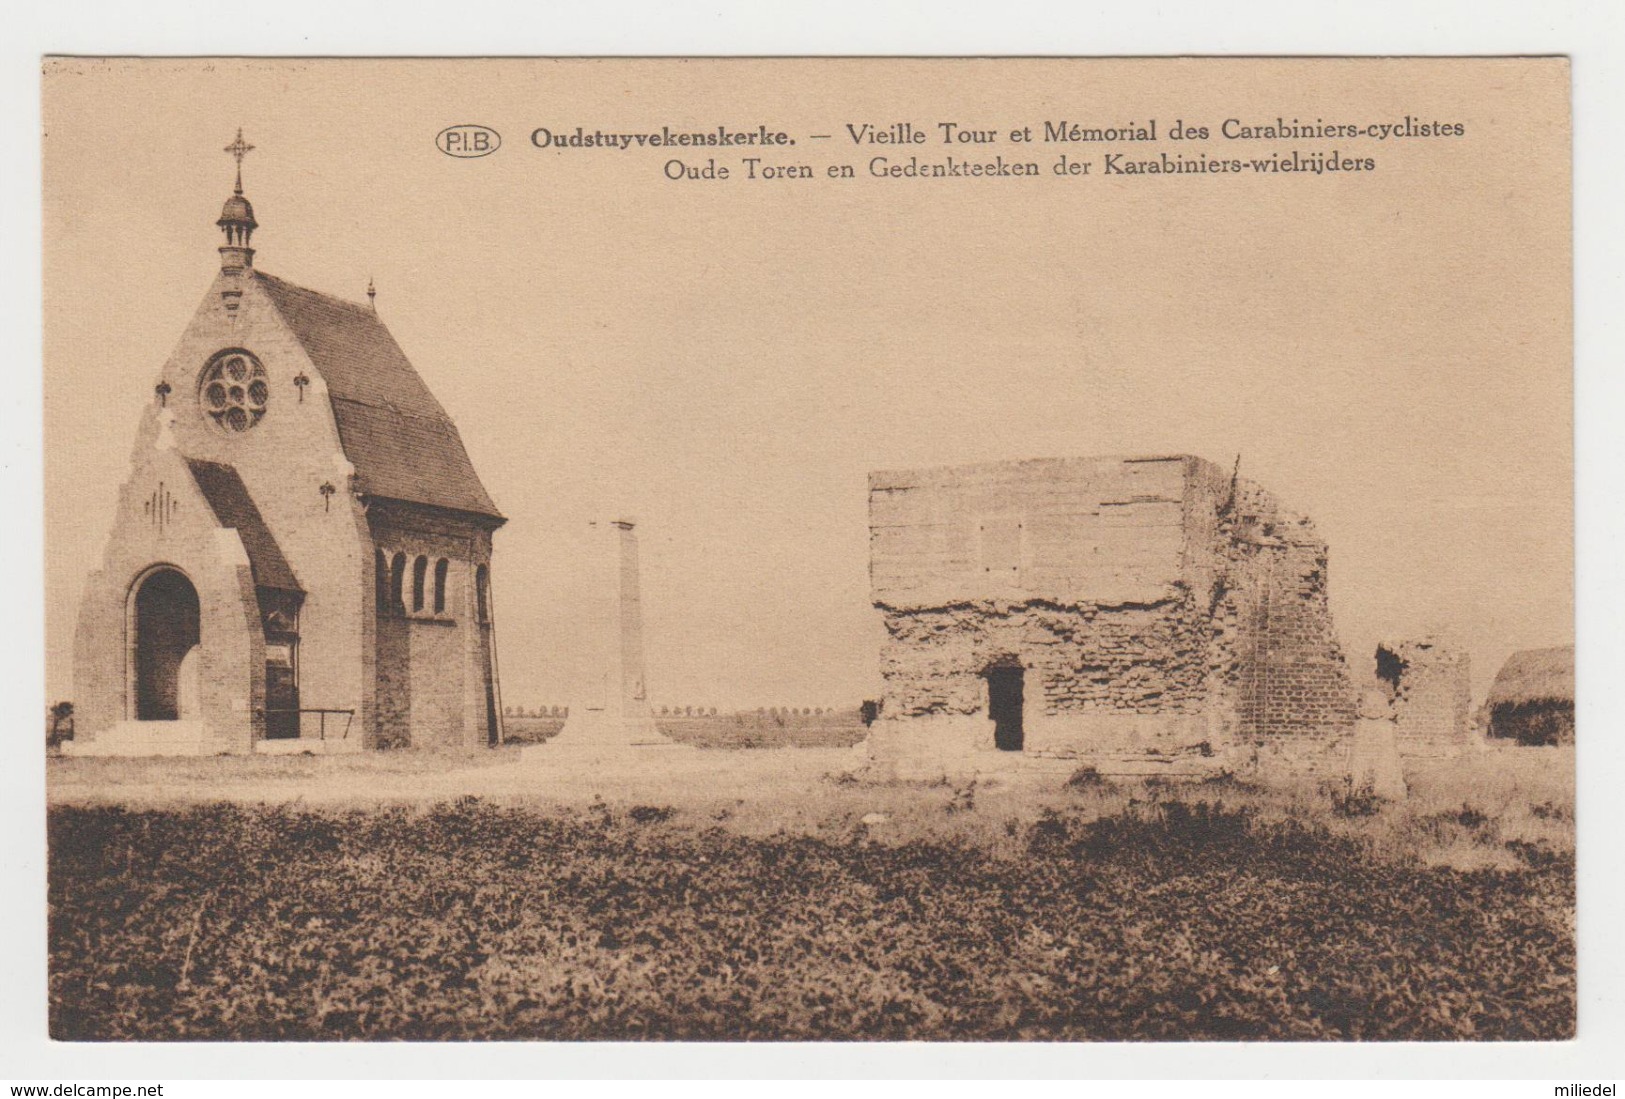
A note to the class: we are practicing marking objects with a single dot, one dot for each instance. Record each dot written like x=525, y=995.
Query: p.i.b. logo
x=467, y=139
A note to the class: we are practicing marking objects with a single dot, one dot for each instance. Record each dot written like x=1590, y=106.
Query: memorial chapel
x=301, y=557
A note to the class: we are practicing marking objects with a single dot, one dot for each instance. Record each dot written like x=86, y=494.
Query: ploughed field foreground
x=1202, y=912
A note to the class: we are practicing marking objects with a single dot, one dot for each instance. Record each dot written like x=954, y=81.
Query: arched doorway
x=166, y=629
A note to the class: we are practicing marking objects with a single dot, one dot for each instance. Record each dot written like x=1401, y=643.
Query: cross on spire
x=239, y=149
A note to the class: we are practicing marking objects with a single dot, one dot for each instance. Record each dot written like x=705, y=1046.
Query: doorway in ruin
x=165, y=636
x=1006, y=684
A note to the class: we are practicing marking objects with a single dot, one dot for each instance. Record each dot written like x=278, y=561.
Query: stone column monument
x=609, y=703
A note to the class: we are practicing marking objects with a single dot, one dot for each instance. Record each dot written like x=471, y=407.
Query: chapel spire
x=237, y=217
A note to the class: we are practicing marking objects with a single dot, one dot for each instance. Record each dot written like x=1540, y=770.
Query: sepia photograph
x=809, y=550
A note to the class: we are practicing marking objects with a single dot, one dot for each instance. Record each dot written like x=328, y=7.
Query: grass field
x=735, y=907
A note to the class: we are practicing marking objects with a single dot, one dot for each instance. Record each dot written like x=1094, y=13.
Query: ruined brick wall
x=1157, y=605
x=1430, y=684
x=1276, y=654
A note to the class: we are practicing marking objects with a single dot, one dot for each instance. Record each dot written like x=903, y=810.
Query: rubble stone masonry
x=1430, y=684
x=1168, y=617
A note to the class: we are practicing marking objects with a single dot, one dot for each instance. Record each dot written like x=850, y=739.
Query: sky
x=1387, y=351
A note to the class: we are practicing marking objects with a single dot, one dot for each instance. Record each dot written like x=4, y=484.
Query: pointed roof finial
x=372, y=294
x=237, y=218
x=239, y=149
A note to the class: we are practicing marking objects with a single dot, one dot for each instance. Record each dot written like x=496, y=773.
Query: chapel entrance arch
x=165, y=619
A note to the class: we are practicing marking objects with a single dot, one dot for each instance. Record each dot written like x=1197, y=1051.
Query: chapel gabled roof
x=228, y=498
x=398, y=437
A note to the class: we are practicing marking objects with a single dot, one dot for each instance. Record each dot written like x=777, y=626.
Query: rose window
x=233, y=391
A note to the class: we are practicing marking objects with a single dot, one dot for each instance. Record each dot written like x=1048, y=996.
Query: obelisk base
x=603, y=727
x=596, y=734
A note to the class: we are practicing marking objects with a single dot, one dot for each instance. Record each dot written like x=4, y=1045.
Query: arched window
x=482, y=594
x=381, y=582
x=440, y=568
x=397, y=582
x=420, y=571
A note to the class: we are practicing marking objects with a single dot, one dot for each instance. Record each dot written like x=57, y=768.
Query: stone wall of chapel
x=284, y=461
x=433, y=668
x=163, y=521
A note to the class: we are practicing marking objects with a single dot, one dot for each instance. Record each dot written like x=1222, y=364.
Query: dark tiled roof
x=401, y=442
x=232, y=505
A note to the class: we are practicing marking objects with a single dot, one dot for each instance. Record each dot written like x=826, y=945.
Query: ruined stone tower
x=1430, y=685
x=1147, y=615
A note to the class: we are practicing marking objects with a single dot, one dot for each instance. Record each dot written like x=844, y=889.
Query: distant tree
x=58, y=725
x=688, y=711
x=713, y=711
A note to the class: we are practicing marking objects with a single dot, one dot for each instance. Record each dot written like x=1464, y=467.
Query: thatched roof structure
x=1535, y=676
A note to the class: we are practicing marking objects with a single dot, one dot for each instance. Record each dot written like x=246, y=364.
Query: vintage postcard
x=822, y=549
